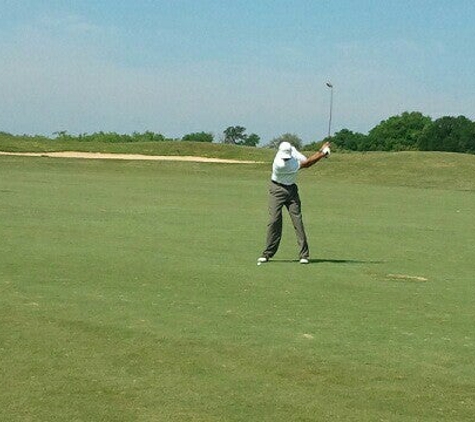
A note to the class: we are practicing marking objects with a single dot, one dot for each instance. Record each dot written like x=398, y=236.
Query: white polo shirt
x=285, y=171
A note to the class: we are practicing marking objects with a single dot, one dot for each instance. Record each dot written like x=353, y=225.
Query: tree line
x=409, y=131
x=412, y=131
x=235, y=135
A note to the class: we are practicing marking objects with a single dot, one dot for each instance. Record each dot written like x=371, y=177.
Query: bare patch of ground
x=107, y=156
x=406, y=277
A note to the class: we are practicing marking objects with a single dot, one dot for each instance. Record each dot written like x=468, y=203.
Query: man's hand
x=325, y=149
x=323, y=152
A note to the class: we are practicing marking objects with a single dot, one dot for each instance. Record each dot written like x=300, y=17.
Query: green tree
x=456, y=134
x=397, y=132
x=236, y=135
x=62, y=135
x=348, y=140
x=286, y=137
x=251, y=141
x=198, y=137
x=147, y=136
x=111, y=137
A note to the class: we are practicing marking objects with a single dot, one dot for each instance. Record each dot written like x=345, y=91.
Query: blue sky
x=183, y=66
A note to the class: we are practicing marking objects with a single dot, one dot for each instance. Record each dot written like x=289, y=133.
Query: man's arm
x=310, y=161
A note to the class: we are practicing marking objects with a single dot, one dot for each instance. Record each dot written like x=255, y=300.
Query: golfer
x=284, y=192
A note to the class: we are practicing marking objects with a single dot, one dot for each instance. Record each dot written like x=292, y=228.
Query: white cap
x=285, y=150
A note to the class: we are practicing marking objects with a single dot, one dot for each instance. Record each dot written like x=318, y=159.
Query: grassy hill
x=421, y=169
x=36, y=144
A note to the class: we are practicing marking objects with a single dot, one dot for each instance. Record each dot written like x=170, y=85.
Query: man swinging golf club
x=284, y=192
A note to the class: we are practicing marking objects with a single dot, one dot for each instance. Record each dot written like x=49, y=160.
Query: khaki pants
x=288, y=196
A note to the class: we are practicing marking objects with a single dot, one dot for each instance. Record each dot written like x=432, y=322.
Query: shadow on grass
x=328, y=261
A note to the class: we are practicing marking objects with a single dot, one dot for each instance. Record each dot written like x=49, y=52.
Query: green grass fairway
x=129, y=291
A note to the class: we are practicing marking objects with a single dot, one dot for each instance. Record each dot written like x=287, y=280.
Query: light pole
x=329, y=85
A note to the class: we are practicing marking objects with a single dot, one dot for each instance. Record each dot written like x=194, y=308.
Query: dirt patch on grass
x=406, y=277
x=108, y=156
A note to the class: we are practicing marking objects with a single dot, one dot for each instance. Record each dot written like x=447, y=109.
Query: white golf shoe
x=304, y=261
